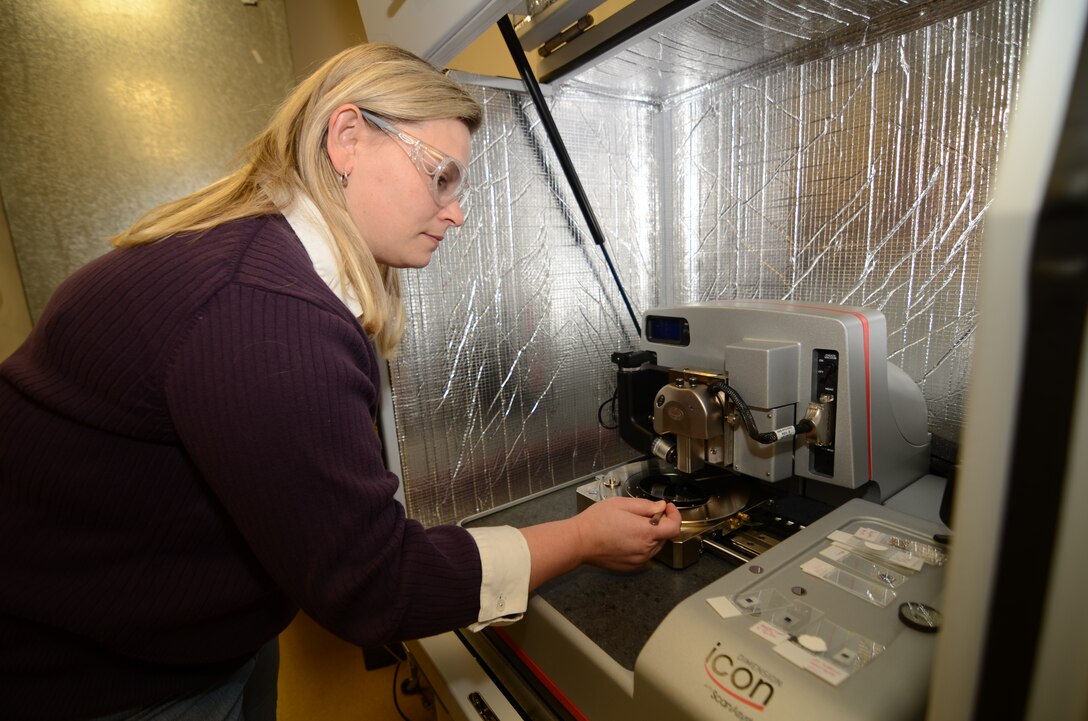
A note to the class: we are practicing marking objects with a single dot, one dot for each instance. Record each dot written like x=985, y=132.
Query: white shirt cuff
x=504, y=593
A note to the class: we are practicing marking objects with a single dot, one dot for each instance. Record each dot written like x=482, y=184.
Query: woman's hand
x=616, y=534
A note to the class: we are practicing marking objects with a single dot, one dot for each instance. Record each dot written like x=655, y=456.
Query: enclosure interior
x=832, y=151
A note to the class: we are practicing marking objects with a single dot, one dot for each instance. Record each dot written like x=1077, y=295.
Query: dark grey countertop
x=618, y=611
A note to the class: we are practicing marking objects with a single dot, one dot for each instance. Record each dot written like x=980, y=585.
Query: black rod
x=526, y=72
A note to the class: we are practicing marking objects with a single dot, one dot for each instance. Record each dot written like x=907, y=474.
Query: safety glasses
x=447, y=177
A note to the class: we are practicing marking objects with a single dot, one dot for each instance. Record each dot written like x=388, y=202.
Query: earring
x=343, y=180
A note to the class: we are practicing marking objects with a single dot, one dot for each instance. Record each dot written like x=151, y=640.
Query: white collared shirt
x=504, y=554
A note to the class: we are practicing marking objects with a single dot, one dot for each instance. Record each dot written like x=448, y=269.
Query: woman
x=187, y=445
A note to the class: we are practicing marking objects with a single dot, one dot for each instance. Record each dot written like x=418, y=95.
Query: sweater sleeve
x=273, y=399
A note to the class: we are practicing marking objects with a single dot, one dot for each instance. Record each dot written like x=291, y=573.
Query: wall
x=860, y=176
x=319, y=29
x=109, y=108
x=14, y=313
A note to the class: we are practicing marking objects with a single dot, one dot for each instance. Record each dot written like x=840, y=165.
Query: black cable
x=611, y=401
x=517, y=53
x=396, y=701
x=802, y=426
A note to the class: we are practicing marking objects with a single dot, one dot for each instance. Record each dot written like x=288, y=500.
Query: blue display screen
x=667, y=329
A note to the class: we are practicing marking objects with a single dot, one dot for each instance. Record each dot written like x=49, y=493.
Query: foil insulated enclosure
x=840, y=153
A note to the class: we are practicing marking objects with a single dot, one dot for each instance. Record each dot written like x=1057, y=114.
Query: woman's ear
x=346, y=128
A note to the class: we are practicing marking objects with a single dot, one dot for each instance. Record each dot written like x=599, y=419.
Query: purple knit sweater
x=187, y=456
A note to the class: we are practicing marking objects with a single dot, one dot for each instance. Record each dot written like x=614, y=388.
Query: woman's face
x=389, y=197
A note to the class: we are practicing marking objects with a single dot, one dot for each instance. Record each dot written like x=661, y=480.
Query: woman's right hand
x=616, y=534
x=619, y=534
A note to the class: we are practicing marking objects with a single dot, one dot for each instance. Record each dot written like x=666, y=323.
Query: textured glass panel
x=109, y=107
x=506, y=357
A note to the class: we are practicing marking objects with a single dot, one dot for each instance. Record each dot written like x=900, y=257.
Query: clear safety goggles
x=447, y=177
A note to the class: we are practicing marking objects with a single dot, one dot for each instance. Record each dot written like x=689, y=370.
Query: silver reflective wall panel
x=731, y=38
x=846, y=159
x=859, y=178
x=511, y=326
x=109, y=107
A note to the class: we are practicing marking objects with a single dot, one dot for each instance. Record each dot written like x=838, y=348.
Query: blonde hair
x=289, y=157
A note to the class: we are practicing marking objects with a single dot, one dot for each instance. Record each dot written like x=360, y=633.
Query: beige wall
x=487, y=56
x=14, y=313
x=164, y=96
x=319, y=29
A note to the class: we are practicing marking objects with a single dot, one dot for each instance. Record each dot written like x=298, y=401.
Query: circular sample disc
x=920, y=617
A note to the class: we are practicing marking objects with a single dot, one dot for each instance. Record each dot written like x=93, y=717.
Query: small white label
x=835, y=553
x=771, y=633
x=815, y=665
x=784, y=433
x=724, y=607
x=816, y=567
